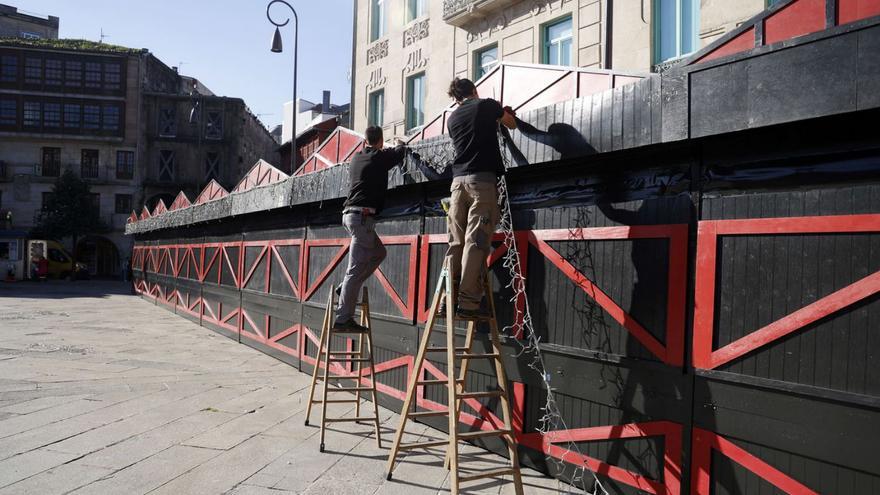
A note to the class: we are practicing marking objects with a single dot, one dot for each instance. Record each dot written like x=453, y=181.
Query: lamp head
x=276, y=41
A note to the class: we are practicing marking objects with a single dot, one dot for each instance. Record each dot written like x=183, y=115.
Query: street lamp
x=277, y=48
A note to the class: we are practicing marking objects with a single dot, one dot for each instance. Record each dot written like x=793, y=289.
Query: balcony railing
x=460, y=12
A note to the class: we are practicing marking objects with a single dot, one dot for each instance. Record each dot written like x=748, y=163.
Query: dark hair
x=373, y=135
x=461, y=89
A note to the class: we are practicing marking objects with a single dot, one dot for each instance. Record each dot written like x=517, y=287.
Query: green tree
x=69, y=211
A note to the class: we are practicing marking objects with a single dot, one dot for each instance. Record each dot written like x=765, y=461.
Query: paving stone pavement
x=102, y=392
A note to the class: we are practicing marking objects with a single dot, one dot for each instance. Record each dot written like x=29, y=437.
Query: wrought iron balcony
x=460, y=12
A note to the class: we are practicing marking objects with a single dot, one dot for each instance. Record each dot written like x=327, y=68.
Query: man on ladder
x=472, y=217
x=368, y=185
x=473, y=207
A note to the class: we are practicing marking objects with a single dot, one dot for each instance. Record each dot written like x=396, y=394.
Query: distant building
x=15, y=24
x=313, y=123
x=122, y=120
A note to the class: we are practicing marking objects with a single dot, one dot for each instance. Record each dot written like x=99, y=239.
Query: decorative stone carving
x=483, y=28
x=415, y=61
x=377, y=51
x=455, y=7
x=377, y=79
x=415, y=32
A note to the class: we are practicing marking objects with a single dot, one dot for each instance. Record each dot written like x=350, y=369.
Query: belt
x=363, y=210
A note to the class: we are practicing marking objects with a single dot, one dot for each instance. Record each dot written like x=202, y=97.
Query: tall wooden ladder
x=352, y=361
x=458, y=357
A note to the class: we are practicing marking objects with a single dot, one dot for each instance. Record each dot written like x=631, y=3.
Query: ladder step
x=427, y=414
x=342, y=377
x=474, y=318
x=335, y=401
x=349, y=360
x=471, y=435
x=492, y=355
x=349, y=389
x=443, y=349
x=422, y=445
x=494, y=473
x=345, y=353
x=353, y=332
x=480, y=395
x=436, y=382
x=349, y=420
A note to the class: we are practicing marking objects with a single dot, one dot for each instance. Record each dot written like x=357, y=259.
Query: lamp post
x=277, y=48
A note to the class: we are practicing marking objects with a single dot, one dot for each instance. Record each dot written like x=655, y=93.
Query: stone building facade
x=98, y=110
x=406, y=51
x=15, y=24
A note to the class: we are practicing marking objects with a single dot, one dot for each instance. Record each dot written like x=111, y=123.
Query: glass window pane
x=667, y=29
x=559, y=30
x=8, y=112
x=689, y=24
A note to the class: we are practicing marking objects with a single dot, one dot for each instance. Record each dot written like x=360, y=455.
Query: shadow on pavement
x=63, y=289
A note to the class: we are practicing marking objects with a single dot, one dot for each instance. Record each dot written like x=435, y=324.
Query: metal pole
x=295, y=53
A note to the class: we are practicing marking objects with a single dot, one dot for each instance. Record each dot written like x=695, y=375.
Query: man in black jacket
x=368, y=185
x=473, y=207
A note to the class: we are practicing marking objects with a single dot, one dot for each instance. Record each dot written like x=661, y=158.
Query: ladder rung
x=471, y=435
x=494, y=473
x=436, y=382
x=342, y=377
x=346, y=420
x=427, y=414
x=491, y=355
x=349, y=389
x=349, y=360
x=345, y=353
x=474, y=318
x=353, y=332
x=443, y=349
x=336, y=401
x=480, y=395
x=422, y=445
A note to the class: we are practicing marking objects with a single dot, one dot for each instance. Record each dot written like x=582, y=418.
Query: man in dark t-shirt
x=368, y=184
x=473, y=208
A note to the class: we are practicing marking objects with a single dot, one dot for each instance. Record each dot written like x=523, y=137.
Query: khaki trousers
x=473, y=214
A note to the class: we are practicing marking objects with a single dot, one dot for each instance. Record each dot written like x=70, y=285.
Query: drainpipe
x=609, y=31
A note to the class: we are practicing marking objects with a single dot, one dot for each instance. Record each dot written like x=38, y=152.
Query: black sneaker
x=479, y=313
x=348, y=326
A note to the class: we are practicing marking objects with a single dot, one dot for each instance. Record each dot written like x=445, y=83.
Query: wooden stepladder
x=458, y=357
x=351, y=362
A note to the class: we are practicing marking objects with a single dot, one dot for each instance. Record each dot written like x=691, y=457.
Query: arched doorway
x=100, y=256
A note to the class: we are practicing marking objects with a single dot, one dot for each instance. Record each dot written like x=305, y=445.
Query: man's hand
x=509, y=118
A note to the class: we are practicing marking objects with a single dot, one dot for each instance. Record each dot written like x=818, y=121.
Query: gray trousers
x=364, y=256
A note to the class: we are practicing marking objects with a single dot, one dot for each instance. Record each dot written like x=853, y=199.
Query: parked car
x=60, y=263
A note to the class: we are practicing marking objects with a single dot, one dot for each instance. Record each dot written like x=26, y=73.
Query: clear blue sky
x=224, y=43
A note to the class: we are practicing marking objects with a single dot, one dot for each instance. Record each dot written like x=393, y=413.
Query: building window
x=123, y=204
x=378, y=19
x=377, y=108
x=8, y=112
x=72, y=74
x=125, y=165
x=93, y=74
x=52, y=115
x=214, y=125
x=416, y=9
x=166, y=165
x=89, y=164
x=51, y=165
x=95, y=199
x=675, y=28
x=29, y=35
x=8, y=68
x=557, y=42
x=33, y=70
x=54, y=72
x=485, y=60
x=167, y=122
x=91, y=117
x=112, y=76
x=72, y=115
x=31, y=114
x=111, y=118
x=212, y=166
x=415, y=101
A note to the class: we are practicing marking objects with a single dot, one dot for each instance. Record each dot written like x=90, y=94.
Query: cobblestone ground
x=104, y=393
